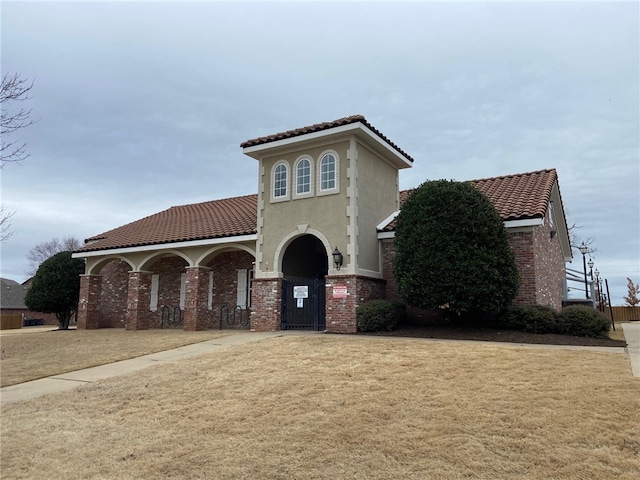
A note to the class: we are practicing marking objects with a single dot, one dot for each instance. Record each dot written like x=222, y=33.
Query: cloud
x=143, y=105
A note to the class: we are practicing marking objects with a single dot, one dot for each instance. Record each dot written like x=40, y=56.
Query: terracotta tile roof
x=215, y=219
x=520, y=196
x=516, y=197
x=323, y=126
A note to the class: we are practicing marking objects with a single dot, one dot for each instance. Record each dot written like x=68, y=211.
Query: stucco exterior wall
x=377, y=198
x=324, y=213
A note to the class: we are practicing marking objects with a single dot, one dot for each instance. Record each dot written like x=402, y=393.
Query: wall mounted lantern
x=583, y=250
x=337, y=258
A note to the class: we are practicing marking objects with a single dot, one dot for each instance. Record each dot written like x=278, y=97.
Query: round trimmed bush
x=583, y=321
x=530, y=318
x=379, y=315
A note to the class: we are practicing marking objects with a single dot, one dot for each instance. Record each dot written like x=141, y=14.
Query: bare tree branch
x=5, y=216
x=45, y=250
x=577, y=241
x=13, y=89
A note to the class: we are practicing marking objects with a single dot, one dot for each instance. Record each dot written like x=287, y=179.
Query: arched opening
x=304, y=267
x=305, y=257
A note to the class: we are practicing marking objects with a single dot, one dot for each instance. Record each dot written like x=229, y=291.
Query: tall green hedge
x=452, y=250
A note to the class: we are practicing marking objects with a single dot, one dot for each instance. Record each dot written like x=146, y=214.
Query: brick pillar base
x=138, y=301
x=89, y=303
x=196, y=314
x=266, y=304
x=340, y=311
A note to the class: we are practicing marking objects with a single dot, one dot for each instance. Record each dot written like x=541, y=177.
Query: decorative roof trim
x=166, y=246
x=388, y=220
x=526, y=222
x=529, y=222
x=342, y=125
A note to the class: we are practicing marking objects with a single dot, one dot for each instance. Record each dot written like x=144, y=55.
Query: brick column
x=89, y=302
x=340, y=312
x=138, y=301
x=266, y=304
x=196, y=313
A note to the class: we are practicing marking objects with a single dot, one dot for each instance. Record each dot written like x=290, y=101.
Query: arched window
x=328, y=173
x=303, y=177
x=280, y=182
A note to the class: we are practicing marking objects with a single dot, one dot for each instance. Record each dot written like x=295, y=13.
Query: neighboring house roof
x=12, y=294
x=516, y=197
x=318, y=127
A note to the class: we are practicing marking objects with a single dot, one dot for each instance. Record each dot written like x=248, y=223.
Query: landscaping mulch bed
x=452, y=332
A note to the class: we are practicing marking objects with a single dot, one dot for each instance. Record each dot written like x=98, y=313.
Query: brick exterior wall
x=225, y=286
x=169, y=271
x=119, y=298
x=521, y=244
x=550, y=268
x=267, y=304
x=540, y=264
x=113, y=297
x=89, y=303
x=138, y=296
x=196, y=312
x=340, y=313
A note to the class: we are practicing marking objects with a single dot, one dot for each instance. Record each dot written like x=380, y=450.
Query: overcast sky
x=142, y=106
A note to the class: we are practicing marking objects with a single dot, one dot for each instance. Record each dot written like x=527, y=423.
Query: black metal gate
x=303, y=303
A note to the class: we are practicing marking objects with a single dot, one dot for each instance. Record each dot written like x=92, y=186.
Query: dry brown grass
x=32, y=355
x=340, y=407
x=616, y=334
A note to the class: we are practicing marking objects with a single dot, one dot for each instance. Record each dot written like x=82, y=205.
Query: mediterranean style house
x=313, y=244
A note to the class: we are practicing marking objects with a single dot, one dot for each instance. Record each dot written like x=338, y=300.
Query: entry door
x=303, y=304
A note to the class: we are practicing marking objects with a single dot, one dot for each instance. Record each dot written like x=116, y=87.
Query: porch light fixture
x=337, y=258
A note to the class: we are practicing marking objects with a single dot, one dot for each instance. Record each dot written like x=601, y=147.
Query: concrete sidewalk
x=632, y=337
x=71, y=380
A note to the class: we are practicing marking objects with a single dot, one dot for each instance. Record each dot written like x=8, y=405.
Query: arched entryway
x=304, y=267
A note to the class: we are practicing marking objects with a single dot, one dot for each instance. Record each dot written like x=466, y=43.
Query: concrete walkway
x=632, y=337
x=71, y=380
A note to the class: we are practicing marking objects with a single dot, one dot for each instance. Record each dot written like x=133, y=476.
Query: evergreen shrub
x=530, y=318
x=583, y=321
x=378, y=315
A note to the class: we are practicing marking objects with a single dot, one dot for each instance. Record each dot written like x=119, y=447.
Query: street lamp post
x=598, y=291
x=590, y=264
x=583, y=250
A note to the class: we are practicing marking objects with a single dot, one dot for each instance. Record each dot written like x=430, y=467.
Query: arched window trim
x=336, y=187
x=297, y=163
x=287, y=194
